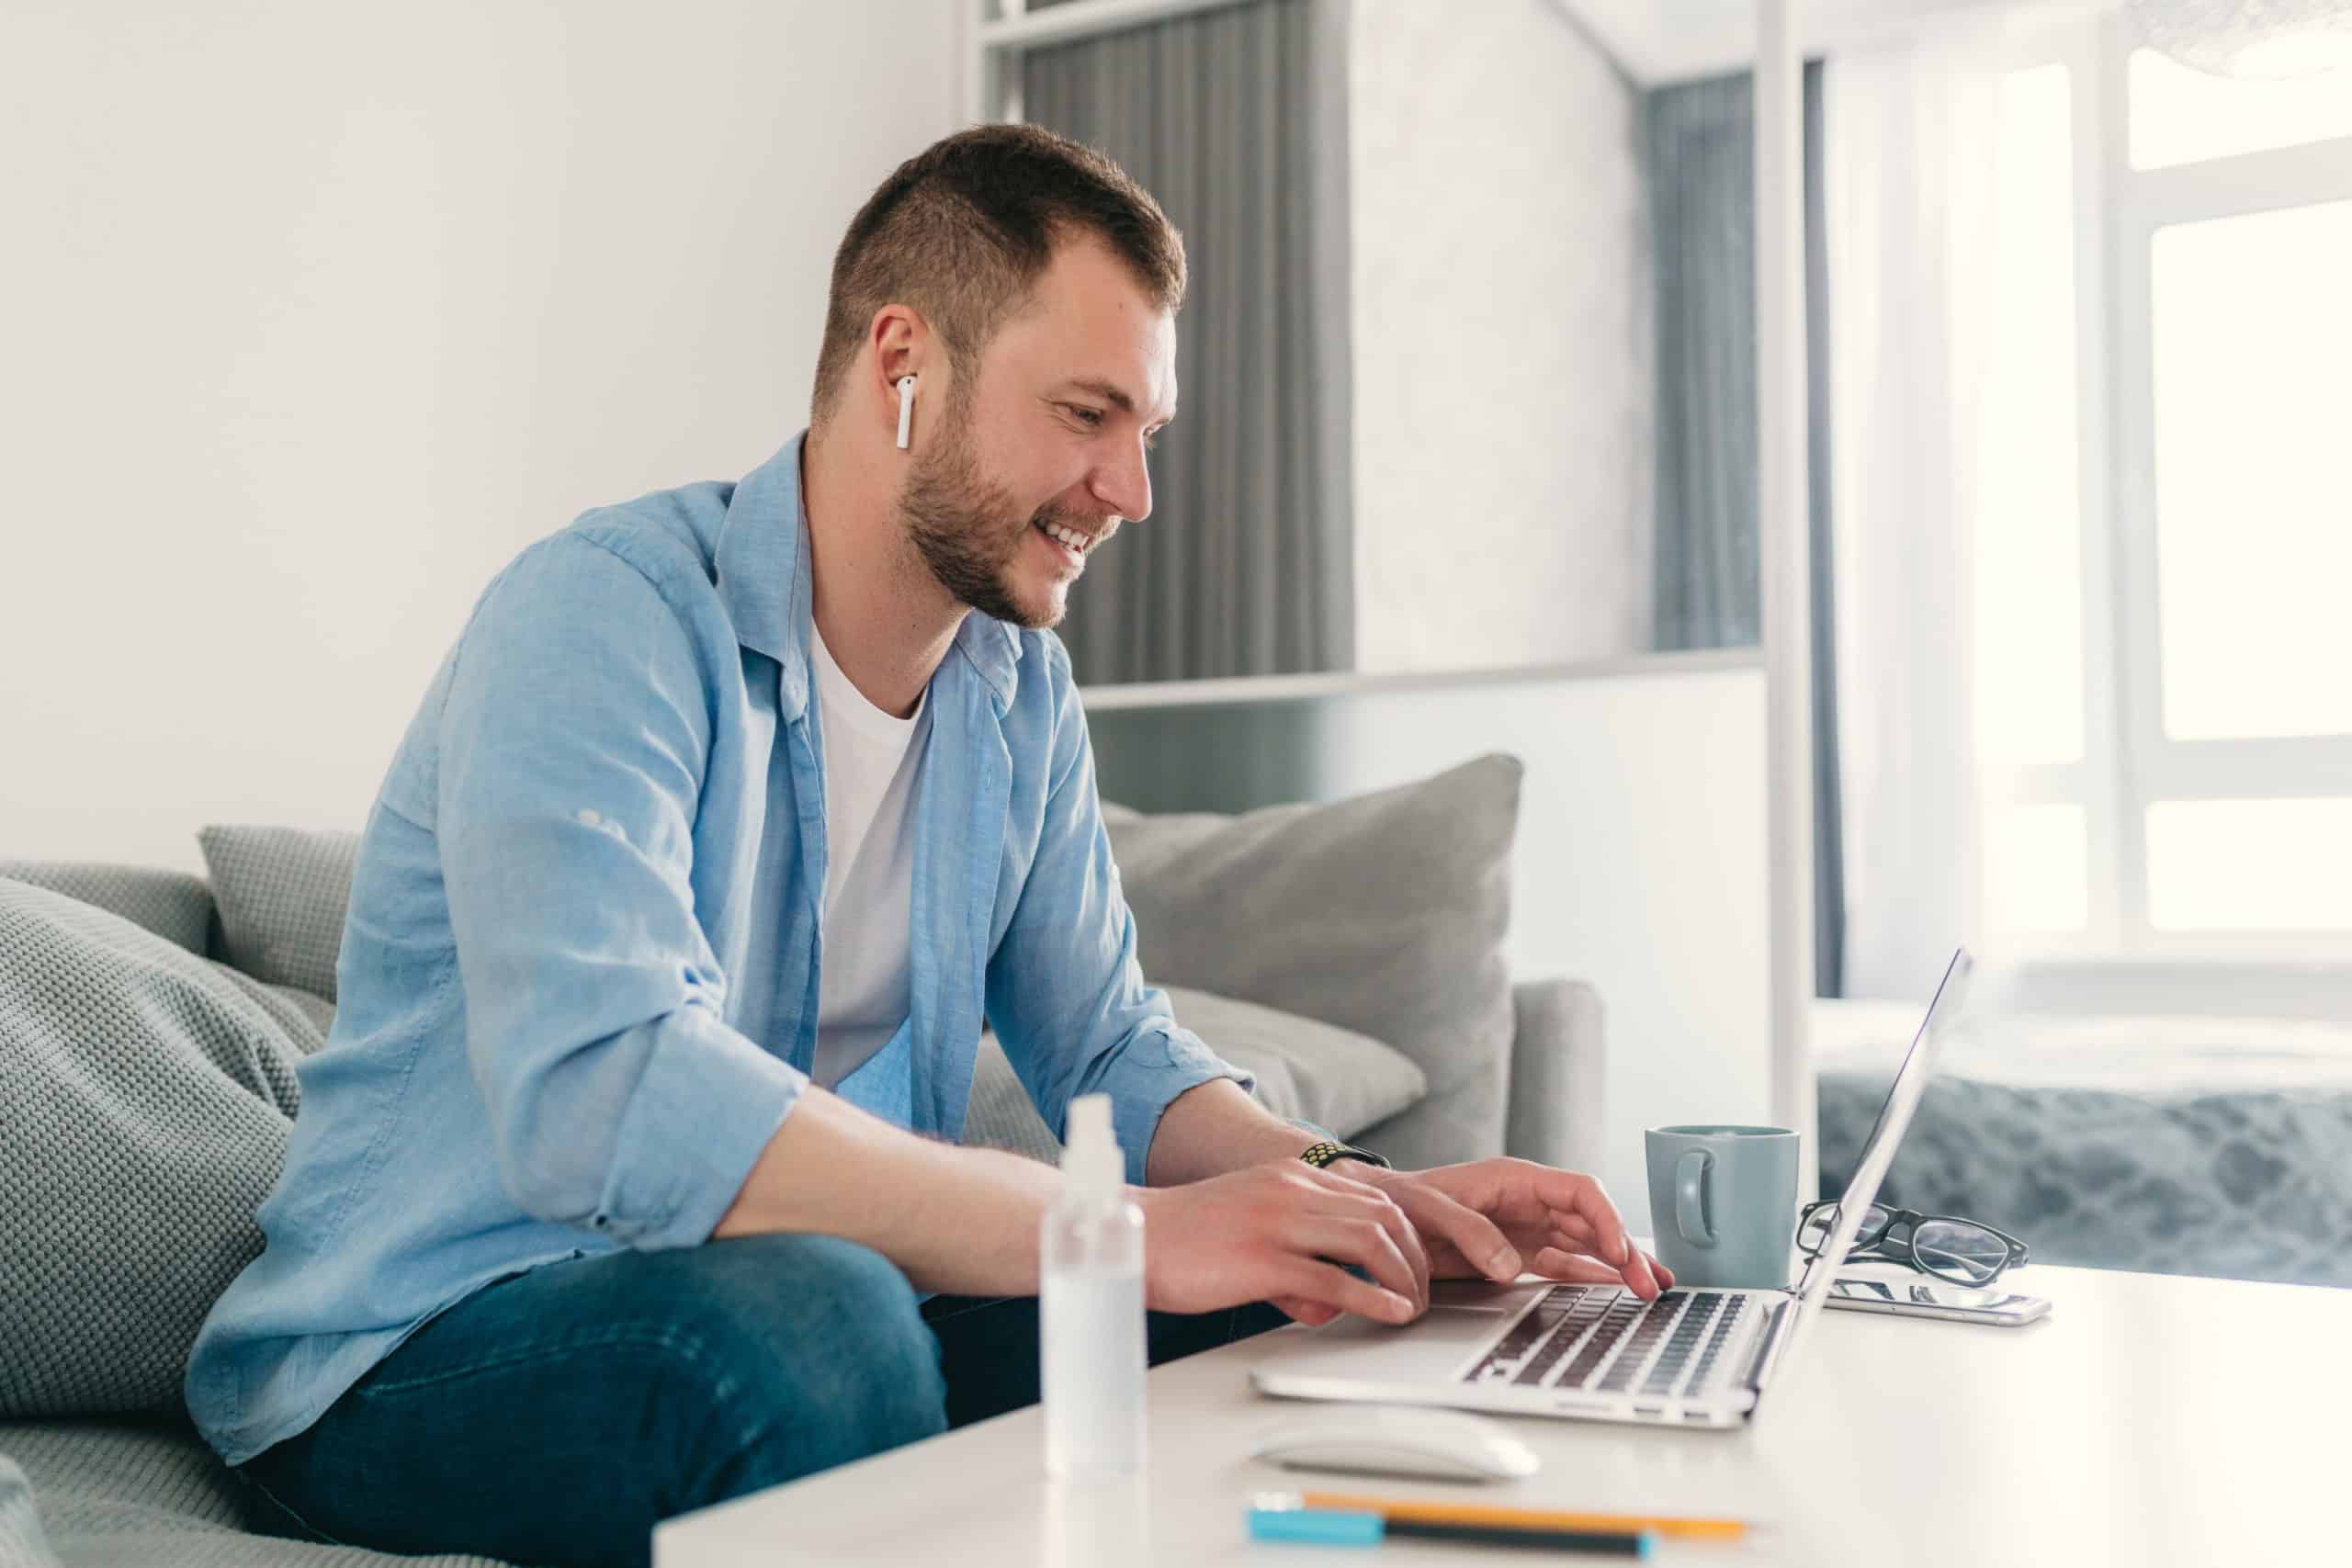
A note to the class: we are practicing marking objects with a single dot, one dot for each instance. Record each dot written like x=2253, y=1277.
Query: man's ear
x=903, y=348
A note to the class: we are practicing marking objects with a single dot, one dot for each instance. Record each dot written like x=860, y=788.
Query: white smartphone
x=1925, y=1298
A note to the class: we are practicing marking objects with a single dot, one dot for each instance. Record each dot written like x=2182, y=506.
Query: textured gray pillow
x=150, y=1094
x=175, y=904
x=282, y=893
x=1306, y=1070
x=1384, y=914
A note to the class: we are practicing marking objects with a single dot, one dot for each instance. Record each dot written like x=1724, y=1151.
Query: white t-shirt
x=871, y=761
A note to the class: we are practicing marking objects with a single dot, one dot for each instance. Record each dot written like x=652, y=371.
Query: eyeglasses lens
x=1814, y=1234
x=1952, y=1249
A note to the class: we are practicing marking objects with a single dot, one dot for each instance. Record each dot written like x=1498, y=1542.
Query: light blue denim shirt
x=578, y=981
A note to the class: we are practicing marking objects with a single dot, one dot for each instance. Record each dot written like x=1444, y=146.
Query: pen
x=1280, y=1517
x=1394, y=1509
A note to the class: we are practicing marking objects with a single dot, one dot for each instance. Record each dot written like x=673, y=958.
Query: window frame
x=2129, y=763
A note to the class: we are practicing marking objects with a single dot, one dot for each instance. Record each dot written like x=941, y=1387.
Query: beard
x=969, y=531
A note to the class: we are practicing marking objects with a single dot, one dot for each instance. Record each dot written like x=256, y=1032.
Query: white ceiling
x=1664, y=41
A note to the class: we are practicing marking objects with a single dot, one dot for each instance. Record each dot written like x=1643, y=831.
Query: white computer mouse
x=1398, y=1440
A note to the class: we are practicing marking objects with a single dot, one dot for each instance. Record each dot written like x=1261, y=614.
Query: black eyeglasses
x=1959, y=1250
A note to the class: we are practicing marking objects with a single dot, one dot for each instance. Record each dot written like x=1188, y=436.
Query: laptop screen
x=1877, y=1150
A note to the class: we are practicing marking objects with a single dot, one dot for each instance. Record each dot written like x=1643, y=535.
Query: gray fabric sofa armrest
x=1557, y=1059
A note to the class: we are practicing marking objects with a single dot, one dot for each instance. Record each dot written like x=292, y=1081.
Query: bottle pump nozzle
x=1092, y=1162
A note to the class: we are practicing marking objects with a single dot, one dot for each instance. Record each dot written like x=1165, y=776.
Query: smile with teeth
x=1069, y=539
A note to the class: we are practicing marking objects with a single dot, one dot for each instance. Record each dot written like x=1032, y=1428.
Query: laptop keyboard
x=1607, y=1341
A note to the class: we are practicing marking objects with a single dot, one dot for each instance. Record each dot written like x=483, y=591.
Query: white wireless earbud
x=905, y=409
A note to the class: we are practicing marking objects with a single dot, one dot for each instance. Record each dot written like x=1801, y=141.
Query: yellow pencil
x=1524, y=1518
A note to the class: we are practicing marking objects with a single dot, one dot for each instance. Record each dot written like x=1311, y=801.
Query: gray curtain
x=1828, y=804
x=1235, y=118
x=1701, y=149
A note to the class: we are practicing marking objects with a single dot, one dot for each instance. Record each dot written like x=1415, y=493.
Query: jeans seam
x=664, y=1339
x=971, y=1305
x=262, y=1486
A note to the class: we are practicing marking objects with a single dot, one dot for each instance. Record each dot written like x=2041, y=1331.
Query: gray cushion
x=175, y=904
x=149, y=1097
x=22, y=1542
x=150, y=1495
x=1306, y=1070
x=282, y=893
x=1384, y=914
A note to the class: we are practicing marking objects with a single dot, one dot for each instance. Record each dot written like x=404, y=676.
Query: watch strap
x=1324, y=1153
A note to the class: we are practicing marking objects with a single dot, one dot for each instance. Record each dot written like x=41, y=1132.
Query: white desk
x=2150, y=1420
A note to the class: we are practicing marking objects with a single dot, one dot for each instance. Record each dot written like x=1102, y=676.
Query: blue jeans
x=554, y=1416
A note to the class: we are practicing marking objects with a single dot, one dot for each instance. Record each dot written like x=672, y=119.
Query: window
x=2181, y=116
x=2028, y=554
x=2253, y=348
x=2164, y=649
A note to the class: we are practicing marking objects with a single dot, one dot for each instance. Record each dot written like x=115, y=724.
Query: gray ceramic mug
x=1723, y=1203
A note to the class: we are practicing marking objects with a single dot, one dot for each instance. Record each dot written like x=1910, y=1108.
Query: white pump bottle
x=1090, y=1317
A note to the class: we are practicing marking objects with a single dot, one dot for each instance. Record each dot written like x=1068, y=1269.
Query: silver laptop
x=1692, y=1357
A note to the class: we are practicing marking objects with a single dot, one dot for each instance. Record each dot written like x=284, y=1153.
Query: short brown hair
x=962, y=229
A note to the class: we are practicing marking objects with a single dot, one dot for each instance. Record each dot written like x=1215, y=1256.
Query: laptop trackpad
x=1433, y=1345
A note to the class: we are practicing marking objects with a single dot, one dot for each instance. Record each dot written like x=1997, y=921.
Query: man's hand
x=1491, y=1218
x=1283, y=1232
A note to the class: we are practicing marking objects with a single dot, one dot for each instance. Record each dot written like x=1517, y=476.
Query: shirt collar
x=994, y=649
x=762, y=578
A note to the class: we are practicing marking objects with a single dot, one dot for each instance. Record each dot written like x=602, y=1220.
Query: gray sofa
x=1265, y=926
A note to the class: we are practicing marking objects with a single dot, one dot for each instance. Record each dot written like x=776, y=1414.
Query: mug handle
x=1690, y=1213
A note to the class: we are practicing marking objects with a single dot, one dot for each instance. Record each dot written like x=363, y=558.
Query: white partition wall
x=1640, y=865
x=1783, y=536
x=315, y=315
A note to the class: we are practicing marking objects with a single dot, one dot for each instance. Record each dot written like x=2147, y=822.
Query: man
x=627, y=1183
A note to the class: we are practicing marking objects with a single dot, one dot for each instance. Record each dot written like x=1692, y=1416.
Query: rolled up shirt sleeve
x=1065, y=992
x=574, y=744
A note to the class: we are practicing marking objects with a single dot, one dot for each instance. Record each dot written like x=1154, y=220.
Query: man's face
x=1046, y=439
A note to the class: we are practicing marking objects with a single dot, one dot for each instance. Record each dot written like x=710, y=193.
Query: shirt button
x=589, y=818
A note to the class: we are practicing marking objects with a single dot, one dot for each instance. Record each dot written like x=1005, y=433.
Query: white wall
x=1503, y=381
x=314, y=315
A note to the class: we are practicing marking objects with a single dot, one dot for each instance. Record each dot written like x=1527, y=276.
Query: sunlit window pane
x=2253, y=320
x=2028, y=535
x=2036, y=870
x=2179, y=114
x=2250, y=866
